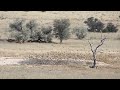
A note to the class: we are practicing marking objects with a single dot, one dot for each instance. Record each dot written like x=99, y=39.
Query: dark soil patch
x=50, y=62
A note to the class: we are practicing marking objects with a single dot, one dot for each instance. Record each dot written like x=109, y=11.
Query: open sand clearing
x=10, y=61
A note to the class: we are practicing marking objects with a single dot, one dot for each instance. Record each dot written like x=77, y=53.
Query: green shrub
x=18, y=31
x=80, y=32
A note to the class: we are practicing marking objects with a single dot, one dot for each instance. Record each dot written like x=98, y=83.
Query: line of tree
x=22, y=31
x=29, y=32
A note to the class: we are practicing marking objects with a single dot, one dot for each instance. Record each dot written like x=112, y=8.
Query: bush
x=38, y=36
x=49, y=38
x=47, y=34
x=80, y=32
x=20, y=37
x=110, y=28
x=18, y=31
x=22, y=32
x=32, y=27
x=61, y=29
x=17, y=25
x=94, y=25
x=44, y=35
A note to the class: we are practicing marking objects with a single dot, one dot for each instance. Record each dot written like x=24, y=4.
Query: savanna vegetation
x=59, y=45
x=22, y=31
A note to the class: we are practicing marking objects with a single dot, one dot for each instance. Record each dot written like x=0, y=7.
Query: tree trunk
x=60, y=41
x=94, y=63
x=94, y=60
x=31, y=32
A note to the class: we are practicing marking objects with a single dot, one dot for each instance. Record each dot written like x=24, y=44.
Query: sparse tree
x=110, y=28
x=39, y=36
x=61, y=29
x=18, y=31
x=44, y=35
x=94, y=25
x=47, y=34
x=32, y=27
x=94, y=51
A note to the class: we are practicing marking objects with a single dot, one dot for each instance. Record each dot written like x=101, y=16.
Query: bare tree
x=94, y=51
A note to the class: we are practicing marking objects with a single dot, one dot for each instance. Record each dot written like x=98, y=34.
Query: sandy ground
x=10, y=68
x=11, y=54
x=56, y=72
x=10, y=61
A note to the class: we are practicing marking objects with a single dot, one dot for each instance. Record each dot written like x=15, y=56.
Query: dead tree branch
x=95, y=51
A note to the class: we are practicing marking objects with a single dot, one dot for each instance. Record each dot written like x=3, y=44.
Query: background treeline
x=22, y=31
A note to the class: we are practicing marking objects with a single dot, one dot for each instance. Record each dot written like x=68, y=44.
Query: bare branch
x=102, y=41
x=91, y=46
x=95, y=50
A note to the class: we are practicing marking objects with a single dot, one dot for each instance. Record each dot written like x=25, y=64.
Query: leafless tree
x=94, y=51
